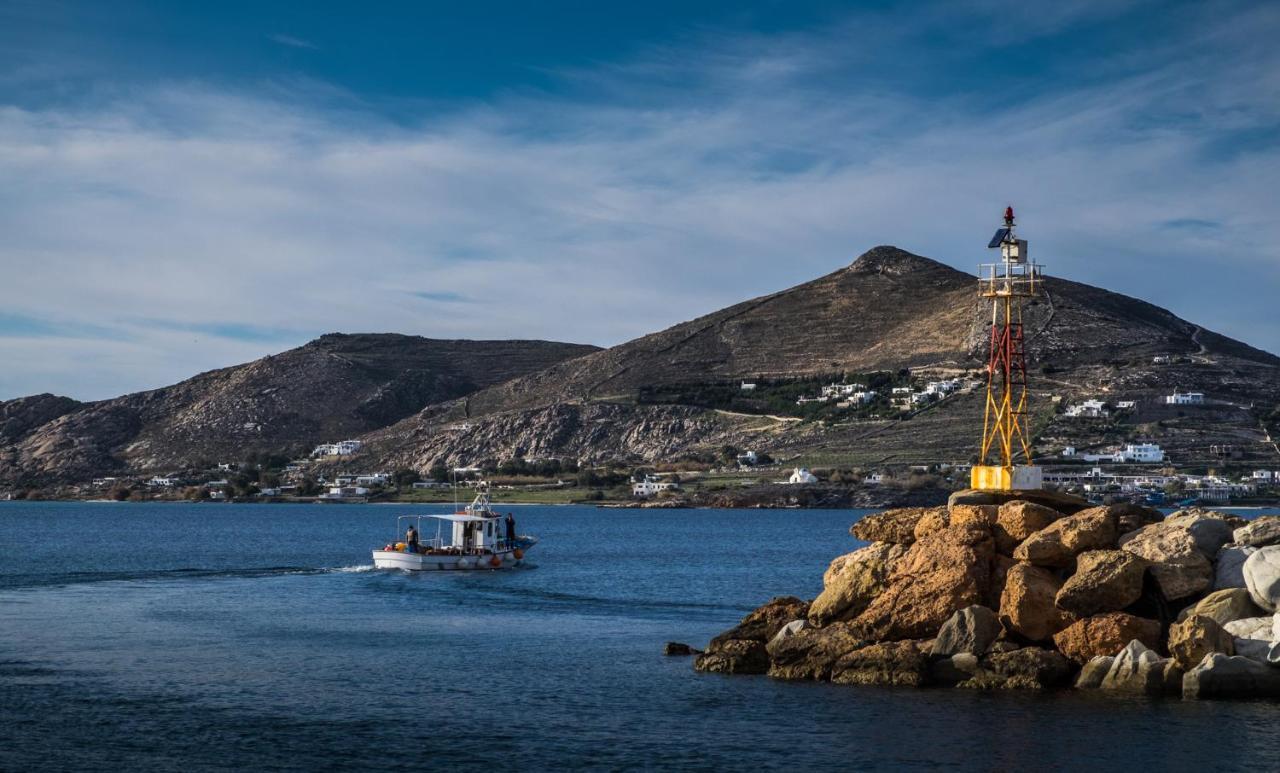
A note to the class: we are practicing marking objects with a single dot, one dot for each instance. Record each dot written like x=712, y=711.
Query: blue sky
x=188, y=186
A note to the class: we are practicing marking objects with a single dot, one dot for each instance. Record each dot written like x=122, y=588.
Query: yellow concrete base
x=1021, y=477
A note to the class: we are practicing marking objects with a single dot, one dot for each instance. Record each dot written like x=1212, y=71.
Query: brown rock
x=764, y=623
x=934, y=520
x=945, y=571
x=894, y=526
x=1224, y=606
x=812, y=652
x=1027, y=605
x=734, y=656
x=1130, y=516
x=1105, y=581
x=903, y=663
x=972, y=515
x=1177, y=565
x=1017, y=520
x=852, y=581
x=1067, y=504
x=1195, y=637
x=1027, y=668
x=1105, y=634
x=1058, y=544
x=1000, y=566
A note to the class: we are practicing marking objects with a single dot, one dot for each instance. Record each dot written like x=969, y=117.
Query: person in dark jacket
x=511, y=528
x=412, y=538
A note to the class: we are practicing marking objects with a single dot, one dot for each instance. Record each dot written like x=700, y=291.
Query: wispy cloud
x=645, y=193
x=292, y=42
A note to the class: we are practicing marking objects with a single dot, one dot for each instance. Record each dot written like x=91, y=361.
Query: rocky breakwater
x=1032, y=595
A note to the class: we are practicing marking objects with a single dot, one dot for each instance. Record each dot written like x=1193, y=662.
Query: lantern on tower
x=1004, y=462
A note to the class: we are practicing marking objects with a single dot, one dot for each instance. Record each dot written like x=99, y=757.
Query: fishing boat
x=474, y=537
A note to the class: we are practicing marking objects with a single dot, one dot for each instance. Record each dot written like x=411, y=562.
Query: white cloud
x=703, y=177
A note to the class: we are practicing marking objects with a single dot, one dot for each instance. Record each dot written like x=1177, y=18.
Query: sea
x=191, y=637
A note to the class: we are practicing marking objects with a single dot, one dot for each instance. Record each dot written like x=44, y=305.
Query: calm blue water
x=219, y=637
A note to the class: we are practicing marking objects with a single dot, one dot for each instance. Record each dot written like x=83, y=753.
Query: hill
x=887, y=311
x=335, y=387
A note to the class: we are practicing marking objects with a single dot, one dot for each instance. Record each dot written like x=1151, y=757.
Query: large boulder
x=953, y=669
x=934, y=520
x=1260, y=532
x=1176, y=563
x=1019, y=519
x=1105, y=581
x=1139, y=669
x=1130, y=517
x=970, y=630
x=945, y=571
x=894, y=526
x=785, y=632
x=1225, y=676
x=903, y=663
x=734, y=656
x=1254, y=649
x=1262, y=577
x=1027, y=604
x=811, y=652
x=1026, y=668
x=1067, y=504
x=1223, y=606
x=1093, y=672
x=764, y=622
x=1105, y=634
x=852, y=581
x=1260, y=628
x=1058, y=544
x=1195, y=637
x=1208, y=529
x=983, y=516
x=1228, y=568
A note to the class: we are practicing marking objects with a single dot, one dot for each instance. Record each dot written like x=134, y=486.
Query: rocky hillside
x=335, y=387
x=889, y=310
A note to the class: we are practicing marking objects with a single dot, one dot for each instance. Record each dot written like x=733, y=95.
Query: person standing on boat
x=511, y=528
x=412, y=538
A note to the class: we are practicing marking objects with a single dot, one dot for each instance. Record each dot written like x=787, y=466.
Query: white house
x=748, y=458
x=1147, y=453
x=1184, y=398
x=1161, y=359
x=941, y=388
x=162, y=482
x=1089, y=409
x=341, y=448
x=874, y=479
x=346, y=492
x=802, y=475
x=101, y=482
x=374, y=479
x=903, y=390
x=1127, y=405
x=747, y=386
x=651, y=485
x=862, y=398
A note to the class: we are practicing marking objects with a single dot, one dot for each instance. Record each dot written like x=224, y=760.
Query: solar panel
x=998, y=239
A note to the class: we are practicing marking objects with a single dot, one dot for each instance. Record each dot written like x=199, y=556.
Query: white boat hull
x=423, y=562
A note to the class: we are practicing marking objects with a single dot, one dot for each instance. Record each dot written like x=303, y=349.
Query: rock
x=1254, y=649
x=1026, y=668
x=1262, y=577
x=888, y=663
x=970, y=630
x=734, y=656
x=1105, y=581
x=763, y=623
x=1224, y=606
x=954, y=669
x=1139, y=669
x=893, y=526
x=935, y=520
x=1058, y=544
x=1027, y=605
x=1093, y=672
x=1130, y=516
x=1260, y=532
x=1000, y=567
x=1228, y=570
x=1208, y=529
x=1195, y=637
x=1225, y=676
x=1251, y=628
x=811, y=652
x=785, y=632
x=675, y=648
x=1105, y=634
x=1066, y=504
x=1019, y=519
x=983, y=516
x=852, y=581
x=943, y=572
x=1177, y=565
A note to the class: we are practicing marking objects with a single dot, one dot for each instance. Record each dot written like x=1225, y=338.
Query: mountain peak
x=887, y=259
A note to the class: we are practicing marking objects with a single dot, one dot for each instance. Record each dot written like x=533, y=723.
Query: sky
x=186, y=186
